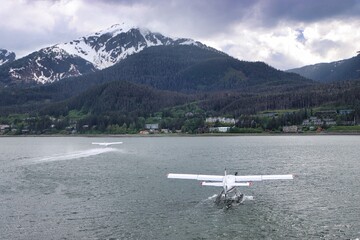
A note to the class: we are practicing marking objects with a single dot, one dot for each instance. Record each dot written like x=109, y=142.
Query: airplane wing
x=216, y=178
x=253, y=178
x=219, y=178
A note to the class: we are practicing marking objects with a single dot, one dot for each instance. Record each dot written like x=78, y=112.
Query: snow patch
x=188, y=42
x=13, y=72
x=114, y=30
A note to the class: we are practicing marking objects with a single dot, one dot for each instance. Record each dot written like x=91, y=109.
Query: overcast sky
x=282, y=33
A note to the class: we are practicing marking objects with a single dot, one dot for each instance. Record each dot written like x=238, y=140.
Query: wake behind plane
x=230, y=195
x=107, y=143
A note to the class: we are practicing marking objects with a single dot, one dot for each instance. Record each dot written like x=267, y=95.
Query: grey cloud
x=265, y=13
x=201, y=17
x=282, y=61
x=307, y=10
x=20, y=41
x=323, y=47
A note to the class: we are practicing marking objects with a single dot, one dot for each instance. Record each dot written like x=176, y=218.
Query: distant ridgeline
x=347, y=69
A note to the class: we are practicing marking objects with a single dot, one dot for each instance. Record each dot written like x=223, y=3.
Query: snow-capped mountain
x=105, y=48
x=6, y=56
x=48, y=65
x=87, y=54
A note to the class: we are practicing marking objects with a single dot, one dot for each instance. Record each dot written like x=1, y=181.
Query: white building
x=4, y=127
x=290, y=129
x=329, y=121
x=313, y=121
x=219, y=129
x=152, y=126
x=220, y=119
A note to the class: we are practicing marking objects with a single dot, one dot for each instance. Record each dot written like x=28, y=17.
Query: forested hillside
x=118, y=97
x=347, y=69
x=193, y=69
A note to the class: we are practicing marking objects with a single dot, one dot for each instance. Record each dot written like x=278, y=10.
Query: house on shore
x=220, y=120
x=290, y=129
x=219, y=129
x=152, y=126
x=4, y=128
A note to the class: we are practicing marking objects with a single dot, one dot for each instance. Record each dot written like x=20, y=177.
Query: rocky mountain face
x=47, y=65
x=86, y=54
x=6, y=56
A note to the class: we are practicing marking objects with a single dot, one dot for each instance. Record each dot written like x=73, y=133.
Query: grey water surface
x=67, y=188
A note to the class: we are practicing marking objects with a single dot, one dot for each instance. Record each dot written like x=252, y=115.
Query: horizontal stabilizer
x=220, y=184
x=244, y=184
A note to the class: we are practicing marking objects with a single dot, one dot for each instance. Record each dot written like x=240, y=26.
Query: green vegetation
x=246, y=130
x=76, y=115
x=344, y=129
x=185, y=118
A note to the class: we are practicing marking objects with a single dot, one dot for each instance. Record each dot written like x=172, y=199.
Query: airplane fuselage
x=230, y=194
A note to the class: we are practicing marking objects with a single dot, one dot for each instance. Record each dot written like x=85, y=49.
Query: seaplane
x=230, y=194
x=106, y=144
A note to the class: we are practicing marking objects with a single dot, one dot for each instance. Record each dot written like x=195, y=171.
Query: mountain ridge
x=6, y=56
x=86, y=54
x=342, y=70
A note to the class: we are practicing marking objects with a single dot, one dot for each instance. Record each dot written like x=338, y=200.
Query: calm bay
x=67, y=188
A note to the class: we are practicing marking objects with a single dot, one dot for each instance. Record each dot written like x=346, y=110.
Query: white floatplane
x=106, y=143
x=230, y=195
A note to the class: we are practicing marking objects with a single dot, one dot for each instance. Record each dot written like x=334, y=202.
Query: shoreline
x=188, y=135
